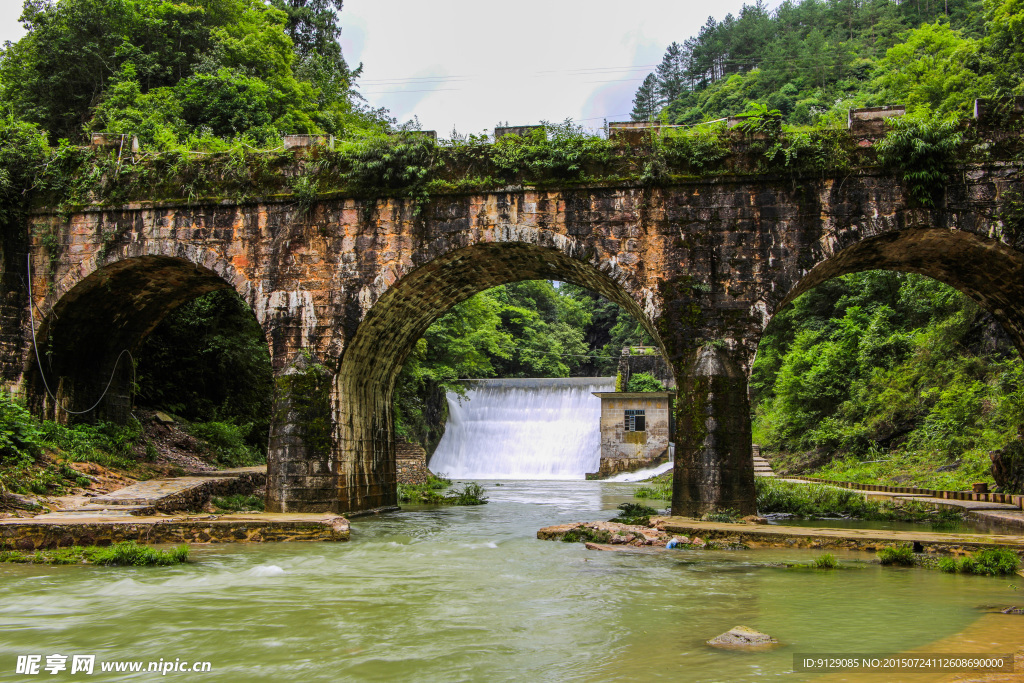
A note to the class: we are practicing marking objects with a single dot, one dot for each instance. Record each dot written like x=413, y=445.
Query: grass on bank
x=437, y=491
x=124, y=553
x=659, y=488
x=819, y=500
x=913, y=468
x=822, y=500
x=824, y=561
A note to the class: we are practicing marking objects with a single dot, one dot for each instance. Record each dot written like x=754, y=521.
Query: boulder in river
x=743, y=637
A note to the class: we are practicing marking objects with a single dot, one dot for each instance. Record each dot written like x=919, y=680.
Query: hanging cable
x=39, y=361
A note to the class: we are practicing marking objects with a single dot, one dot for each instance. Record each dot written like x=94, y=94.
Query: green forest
x=875, y=376
x=813, y=60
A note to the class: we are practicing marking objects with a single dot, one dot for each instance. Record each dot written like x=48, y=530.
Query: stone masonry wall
x=411, y=463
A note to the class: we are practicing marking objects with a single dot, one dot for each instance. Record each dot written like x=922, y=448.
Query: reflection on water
x=470, y=594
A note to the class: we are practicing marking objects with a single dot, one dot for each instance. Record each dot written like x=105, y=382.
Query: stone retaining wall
x=29, y=535
x=411, y=463
x=197, y=497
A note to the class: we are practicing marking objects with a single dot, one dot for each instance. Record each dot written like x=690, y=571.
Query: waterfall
x=523, y=429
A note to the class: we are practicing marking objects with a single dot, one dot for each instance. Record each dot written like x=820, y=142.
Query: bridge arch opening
x=92, y=342
x=983, y=268
x=364, y=387
x=896, y=352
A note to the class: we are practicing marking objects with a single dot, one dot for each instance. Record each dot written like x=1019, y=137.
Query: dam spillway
x=547, y=428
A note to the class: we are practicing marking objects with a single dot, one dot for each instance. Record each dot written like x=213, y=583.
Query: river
x=470, y=594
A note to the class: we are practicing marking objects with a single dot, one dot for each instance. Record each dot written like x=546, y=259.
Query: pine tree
x=646, y=103
x=671, y=73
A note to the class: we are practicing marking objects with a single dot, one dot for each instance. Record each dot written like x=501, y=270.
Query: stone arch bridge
x=345, y=287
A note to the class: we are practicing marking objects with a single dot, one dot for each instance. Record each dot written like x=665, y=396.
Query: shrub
x=996, y=562
x=430, y=493
x=809, y=500
x=470, y=494
x=987, y=562
x=634, y=513
x=103, y=443
x=725, y=516
x=920, y=150
x=826, y=561
x=20, y=437
x=643, y=382
x=227, y=443
x=901, y=555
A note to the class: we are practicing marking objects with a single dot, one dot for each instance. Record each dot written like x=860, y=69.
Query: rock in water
x=742, y=636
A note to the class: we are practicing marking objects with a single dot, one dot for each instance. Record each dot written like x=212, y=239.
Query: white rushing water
x=523, y=429
x=640, y=475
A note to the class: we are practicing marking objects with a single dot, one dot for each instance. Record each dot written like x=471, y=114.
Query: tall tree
x=646, y=103
x=671, y=73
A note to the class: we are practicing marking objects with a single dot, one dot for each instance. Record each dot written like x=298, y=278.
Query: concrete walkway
x=167, y=495
x=761, y=535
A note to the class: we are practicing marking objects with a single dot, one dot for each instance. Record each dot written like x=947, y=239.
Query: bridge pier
x=714, y=467
x=301, y=463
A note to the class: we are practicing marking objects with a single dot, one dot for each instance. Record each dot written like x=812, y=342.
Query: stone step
x=153, y=490
x=91, y=511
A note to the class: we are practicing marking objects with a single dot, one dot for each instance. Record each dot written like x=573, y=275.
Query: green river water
x=470, y=594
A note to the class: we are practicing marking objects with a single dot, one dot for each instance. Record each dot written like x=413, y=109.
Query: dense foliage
x=208, y=362
x=172, y=71
x=813, y=59
x=27, y=444
x=882, y=376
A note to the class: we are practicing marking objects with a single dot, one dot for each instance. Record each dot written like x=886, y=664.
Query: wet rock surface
x=742, y=637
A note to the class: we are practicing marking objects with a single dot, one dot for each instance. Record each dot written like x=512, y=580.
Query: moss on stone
x=306, y=394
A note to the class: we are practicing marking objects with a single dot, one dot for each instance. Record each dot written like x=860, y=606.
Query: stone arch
x=984, y=268
x=106, y=306
x=363, y=464
x=197, y=255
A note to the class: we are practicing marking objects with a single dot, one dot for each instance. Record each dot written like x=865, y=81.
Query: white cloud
x=10, y=28
x=522, y=63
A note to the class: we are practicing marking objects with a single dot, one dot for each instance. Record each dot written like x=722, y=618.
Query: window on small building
x=636, y=421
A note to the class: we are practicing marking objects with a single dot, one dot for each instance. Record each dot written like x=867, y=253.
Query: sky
x=464, y=65
x=467, y=65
